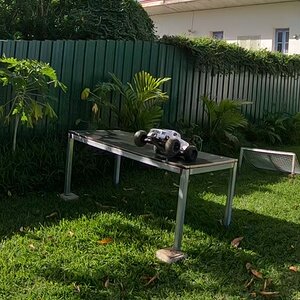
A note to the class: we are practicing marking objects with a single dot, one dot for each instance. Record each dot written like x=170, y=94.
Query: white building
x=255, y=24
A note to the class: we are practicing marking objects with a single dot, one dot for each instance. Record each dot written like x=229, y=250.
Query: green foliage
x=275, y=128
x=224, y=57
x=223, y=119
x=30, y=81
x=69, y=19
x=140, y=101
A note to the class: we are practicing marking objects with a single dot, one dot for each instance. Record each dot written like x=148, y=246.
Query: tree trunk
x=15, y=132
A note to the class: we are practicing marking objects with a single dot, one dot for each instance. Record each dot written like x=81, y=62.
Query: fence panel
x=81, y=64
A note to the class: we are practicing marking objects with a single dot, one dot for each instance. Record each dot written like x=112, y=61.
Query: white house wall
x=256, y=20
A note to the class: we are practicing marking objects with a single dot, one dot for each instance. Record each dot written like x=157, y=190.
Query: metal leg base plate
x=170, y=255
x=69, y=197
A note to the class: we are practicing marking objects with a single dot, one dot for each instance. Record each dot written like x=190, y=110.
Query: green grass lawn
x=103, y=245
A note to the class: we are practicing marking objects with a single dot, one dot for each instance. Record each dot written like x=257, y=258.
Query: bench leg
x=117, y=169
x=231, y=188
x=67, y=195
x=174, y=254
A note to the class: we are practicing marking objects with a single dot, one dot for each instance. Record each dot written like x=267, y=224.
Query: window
x=249, y=41
x=218, y=35
x=282, y=40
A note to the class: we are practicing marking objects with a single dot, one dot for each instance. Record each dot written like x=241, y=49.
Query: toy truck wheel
x=139, y=138
x=172, y=147
x=190, y=154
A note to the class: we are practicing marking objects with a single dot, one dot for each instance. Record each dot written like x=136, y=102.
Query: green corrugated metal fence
x=84, y=63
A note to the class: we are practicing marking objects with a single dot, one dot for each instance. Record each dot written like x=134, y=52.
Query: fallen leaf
x=9, y=194
x=106, y=284
x=21, y=229
x=152, y=279
x=256, y=273
x=52, y=215
x=71, y=233
x=293, y=268
x=105, y=241
x=31, y=246
x=76, y=287
x=236, y=242
x=128, y=189
x=249, y=283
x=250, y=268
x=269, y=294
x=253, y=294
x=124, y=200
x=104, y=206
x=267, y=283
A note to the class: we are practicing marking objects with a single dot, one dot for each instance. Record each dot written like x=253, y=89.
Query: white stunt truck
x=168, y=143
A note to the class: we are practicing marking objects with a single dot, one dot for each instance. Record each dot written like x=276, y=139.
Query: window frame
x=214, y=35
x=285, y=41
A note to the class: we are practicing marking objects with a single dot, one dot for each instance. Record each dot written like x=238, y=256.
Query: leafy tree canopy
x=74, y=19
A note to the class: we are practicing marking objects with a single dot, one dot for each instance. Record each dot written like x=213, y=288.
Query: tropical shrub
x=141, y=100
x=30, y=81
x=275, y=128
x=224, y=118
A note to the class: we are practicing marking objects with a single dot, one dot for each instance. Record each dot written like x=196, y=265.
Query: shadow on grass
x=268, y=242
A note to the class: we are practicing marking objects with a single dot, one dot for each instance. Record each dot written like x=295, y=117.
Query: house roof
x=157, y=7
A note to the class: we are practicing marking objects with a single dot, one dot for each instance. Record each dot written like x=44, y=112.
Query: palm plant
x=141, y=101
x=223, y=120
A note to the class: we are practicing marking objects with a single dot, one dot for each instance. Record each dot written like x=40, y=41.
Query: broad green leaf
x=37, y=110
x=24, y=117
x=95, y=108
x=49, y=111
x=49, y=72
x=15, y=111
x=85, y=93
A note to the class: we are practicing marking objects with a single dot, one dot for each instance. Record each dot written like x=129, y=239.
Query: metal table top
x=124, y=141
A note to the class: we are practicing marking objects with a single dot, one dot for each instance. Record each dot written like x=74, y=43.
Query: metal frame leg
x=182, y=196
x=117, y=169
x=67, y=195
x=241, y=159
x=230, y=194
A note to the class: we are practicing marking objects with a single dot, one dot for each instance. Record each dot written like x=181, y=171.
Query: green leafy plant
x=275, y=128
x=223, y=57
x=30, y=81
x=223, y=119
x=140, y=101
